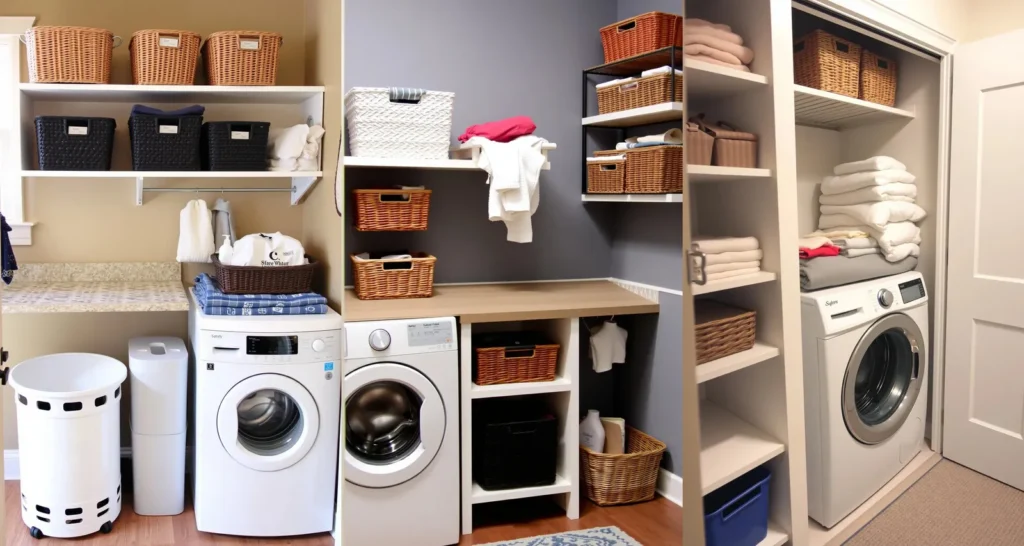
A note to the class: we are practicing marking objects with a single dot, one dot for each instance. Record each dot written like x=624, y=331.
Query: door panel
x=984, y=406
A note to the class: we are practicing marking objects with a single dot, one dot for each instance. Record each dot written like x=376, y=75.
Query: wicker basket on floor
x=392, y=210
x=606, y=176
x=652, y=169
x=699, y=145
x=164, y=57
x=877, y=79
x=59, y=54
x=625, y=478
x=826, y=62
x=646, y=91
x=722, y=330
x=251, y=279
x=377, y=279
x=641, y=34
x=242, y=57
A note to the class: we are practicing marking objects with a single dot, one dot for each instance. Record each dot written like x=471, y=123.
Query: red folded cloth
x=824, y=250
x=505, y=130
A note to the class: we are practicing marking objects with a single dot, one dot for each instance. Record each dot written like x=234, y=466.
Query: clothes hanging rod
x=218, y=190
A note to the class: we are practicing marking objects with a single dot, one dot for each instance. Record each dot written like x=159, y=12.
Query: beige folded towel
x=726, y=35
x=712, y=60
x=716, y=54
x=721, y=268
x=733, y=257
x=695, y=22
x=736, y=273
x=745, y=54
x=716, y=245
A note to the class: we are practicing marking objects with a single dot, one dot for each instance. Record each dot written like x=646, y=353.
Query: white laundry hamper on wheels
x=69, y=442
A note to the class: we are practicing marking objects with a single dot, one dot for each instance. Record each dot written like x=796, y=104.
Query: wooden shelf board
x=759, y=353
x=70, y=92
x=506, y=302
x=632, y=197
x=171, y=174
x=730, y=447
x=733, y=282
x=705, y=80
x=776, y=535
x=666, y=111
x=481, y=495
x=638, y=63
x=833, y=111
x=711, y=173
x=560, y=384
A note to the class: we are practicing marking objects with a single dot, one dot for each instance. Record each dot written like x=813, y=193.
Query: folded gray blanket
x=829, y=271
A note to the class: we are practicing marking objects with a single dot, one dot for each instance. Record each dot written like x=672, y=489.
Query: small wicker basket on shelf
x=699, y=145
x=722, y=330
x=164, y=57
x=59, y=54
x=877, y=79
x=242, y=57
x=652, y=169
x=624, y=478
x=826, y=62
x=392, y=210
x=513, y=358
x=378, y=279
x=641, y=34
x=606, y=176
x=646, y=91
x=247, y=279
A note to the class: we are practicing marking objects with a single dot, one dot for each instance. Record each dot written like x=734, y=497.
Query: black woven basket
x=165, y=143
x=74, y=144
x=235, y=145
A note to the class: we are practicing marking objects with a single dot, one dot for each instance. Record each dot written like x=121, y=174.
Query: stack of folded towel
x=213, y=301
x=716, y=44
x=671, y=137
x=295, y=148
x=729, y=256
x=651, y=72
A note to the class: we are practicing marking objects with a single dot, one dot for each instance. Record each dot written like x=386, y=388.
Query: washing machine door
x=883, y=378
x=394, y=424
x=268, y=422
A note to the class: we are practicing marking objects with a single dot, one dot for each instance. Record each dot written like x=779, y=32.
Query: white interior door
x=984, y=405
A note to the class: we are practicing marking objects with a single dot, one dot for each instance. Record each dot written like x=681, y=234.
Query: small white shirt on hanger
x=608, y=346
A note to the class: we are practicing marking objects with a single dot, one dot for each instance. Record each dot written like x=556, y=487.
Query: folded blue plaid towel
x=261, y=311
x=210, y=295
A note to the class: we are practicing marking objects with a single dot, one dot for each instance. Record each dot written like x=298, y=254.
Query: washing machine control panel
x=400, y=337
x=297, y=348
x=885, y=298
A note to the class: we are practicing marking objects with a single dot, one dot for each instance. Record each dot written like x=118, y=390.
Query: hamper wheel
x=36, y=533
x=106, y=528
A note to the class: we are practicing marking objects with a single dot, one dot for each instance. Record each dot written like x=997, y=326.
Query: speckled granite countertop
x=98, y=288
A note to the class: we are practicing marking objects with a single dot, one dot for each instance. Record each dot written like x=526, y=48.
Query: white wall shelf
x=666, y=111
x=203, y=94
x=712, y=173
x=776, y=536
x=832, y=111
x=706, y=80
x=730, y=447
x=560, y=384
x=759, y=353
x=733, y=282
x=481, y=495
x=464, y=157
x=632, y=197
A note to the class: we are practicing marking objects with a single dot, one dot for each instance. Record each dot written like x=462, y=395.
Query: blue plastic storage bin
x=737, y=513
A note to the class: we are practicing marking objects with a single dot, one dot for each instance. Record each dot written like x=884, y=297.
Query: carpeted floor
x=950, y=506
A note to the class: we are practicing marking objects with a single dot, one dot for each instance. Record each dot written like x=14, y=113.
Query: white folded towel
x=898, y=252
x=813, y=242
x=716, y=245
x=877, y=163
x=854, y=252
x=309, y=159
x=612, y=83
x=720, y=268
x=195, y=233
x=672, y=136
x=873, y=214
x=735, y=273
x=858, y=243
x=606, y=157
x=287, y=164
x=841, y=233
x=855, y=181
x=744, y=54
x=888, y=192
x=733, y=257
x=660, y=70
x=287, y=142
x=889, y=237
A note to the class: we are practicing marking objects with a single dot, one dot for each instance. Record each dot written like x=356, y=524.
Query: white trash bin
x=159, y=372
x=69, y=442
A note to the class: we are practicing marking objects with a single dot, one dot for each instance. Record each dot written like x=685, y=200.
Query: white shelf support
x=301, y=186
x=140, y=188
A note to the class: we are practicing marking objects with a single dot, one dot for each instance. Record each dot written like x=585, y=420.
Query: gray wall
x=501, y=59
x=629, y=8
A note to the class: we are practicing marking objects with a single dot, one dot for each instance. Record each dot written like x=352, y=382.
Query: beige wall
x=985, y=18
x=945, y=16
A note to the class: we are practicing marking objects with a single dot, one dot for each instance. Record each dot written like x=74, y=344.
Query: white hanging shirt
x=267, y=250
x=608, y=346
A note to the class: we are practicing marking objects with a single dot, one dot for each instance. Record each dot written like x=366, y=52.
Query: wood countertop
x=506, y=302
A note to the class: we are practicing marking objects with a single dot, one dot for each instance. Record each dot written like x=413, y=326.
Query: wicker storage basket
x=823, y=61
x=74, y=144
x=877, y=79
x=699, y=145
x=722, y=330
x=626, y=478
x=241, y=57
x=641, y=34
x=732, y=148
x=235, y=145
x=606, y=176
x=517, y=357
x=646, y=91
x=652, y=169
x=409, y=128
x=377, y=279
x=392, y=210
x=246, y=279
x=69, y=54
x=165, y=143
x=164, y=57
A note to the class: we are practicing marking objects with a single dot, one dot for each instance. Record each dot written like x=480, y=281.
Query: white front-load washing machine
x=266, y=413
x=401, y=459
x=865, y=385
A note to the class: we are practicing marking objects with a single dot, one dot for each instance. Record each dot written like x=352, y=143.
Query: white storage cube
x=69, y=442
x=380, y=127
x=158, y=467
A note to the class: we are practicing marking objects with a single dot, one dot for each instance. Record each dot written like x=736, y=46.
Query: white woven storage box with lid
x=385, y=123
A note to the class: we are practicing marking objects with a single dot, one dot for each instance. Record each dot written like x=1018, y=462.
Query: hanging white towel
x=513, y=173
x=888, y=192
x=873, y=214
x=195, y=233
x=877, y=163
x=608, y=346
x=716, y=245
x=849, y=182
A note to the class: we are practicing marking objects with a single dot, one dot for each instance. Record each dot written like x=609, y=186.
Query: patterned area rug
x=598, y=536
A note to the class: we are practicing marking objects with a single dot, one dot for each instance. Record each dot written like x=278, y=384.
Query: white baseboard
x=670, y=486
x=12, y=461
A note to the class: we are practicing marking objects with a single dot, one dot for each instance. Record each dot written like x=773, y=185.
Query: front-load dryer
x=266, y=413
x=865, y=384
x=401, y=459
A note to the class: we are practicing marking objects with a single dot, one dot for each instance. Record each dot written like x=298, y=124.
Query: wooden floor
x=655, y=523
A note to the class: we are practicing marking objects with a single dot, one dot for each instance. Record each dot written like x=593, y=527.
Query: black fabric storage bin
x=515, y=443
x=162, y=143
x=235, y=145
x=74, y=143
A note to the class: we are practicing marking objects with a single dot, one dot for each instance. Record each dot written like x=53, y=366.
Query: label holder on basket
x=250, y=43
x=76, y=127
x=167, y=126
x=172, y=41
x=240, y=131
x=698, y=263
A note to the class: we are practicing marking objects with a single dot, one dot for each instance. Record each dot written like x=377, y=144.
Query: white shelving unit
x=481, y=495
x=711, y=173
x=560, y=384
x=464, y=158
x=705, y=79
x=832, y=111
x=731, y=447
x=666, y=111
x=776, y=536
x=733, y=282
x=759, y=353
x=632, y=197
x=199, y=94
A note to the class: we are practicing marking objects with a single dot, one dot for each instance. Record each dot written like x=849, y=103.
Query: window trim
x=11, y=31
